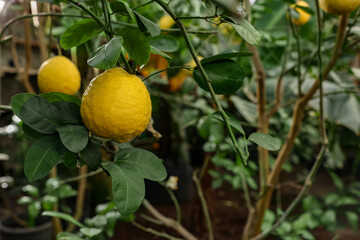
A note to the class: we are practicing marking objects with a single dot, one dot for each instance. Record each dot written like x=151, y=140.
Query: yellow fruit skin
x=339, y=6
x=59, y=74
x=116, y=105
x=304, y=16
x=166, y=22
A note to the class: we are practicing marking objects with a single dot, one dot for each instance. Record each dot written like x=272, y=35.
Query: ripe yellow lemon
x=116, y=105
x=339, y=6
x=166, y=22
x=59, y=74
x=304, y=16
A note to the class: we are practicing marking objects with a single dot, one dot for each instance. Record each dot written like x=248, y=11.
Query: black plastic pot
x=10, y=230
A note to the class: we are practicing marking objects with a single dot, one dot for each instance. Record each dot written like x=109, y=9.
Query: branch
x=297, y=117
x=305, y=188
x=169, y=222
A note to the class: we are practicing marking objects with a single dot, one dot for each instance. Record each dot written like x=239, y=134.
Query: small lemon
x=59, y=74
x=304, y=16
x=339, y=6
x=116, y=105
x=166, y=22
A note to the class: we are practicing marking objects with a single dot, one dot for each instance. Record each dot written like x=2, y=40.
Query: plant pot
x=10, y=230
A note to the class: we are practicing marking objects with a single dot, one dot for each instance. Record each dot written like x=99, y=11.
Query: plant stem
x=74, y=179
x=175, y=201
x=298, y=50
x=204, y=206
x=162, y=70
x=142, y=5
x=11, y=211
x=5, y=108
x=305, y=188
x=206, y=78
x=169, y=222
x=196, y=17
x=154, y=232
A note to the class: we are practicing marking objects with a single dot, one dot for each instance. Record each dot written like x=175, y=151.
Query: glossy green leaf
x=156, y=51
x=74, y=137
x=164, y=43
x=70, y=112
x=226, y=76
x=247, y=31
x=136, y=44
x=63, y=216
x=48, y=202
x=127, y=185
x=90, y=232
x=40, y=115
x=70, y=160
x=232, y=120
x=91, y=155
x=147, y=25
x=265, y=140
x=52, y=97
x=150, y=166
x=68, y=236
x=18, y=101
x=226, y=55
x=31, y=133
x=42, y=156
x=25, y=200
x=353, y=219
x=79, y=33
x=122, y=8
x=106, y=56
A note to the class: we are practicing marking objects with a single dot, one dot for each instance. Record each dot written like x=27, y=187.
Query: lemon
x=166, y=22
x=116, y=105
x=59, y=74
x=339, y=6
x=304, y=16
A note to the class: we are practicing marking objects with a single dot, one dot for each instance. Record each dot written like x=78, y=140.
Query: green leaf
x=147, y=25
x=66, y=191
x=70, y=160
x=79, y=33
x=74, y=137
x=40, y=115
x=106, y=56
x=226, y=76
x=48, y=202
x=247, y=31
x=90, y=232
x=31, y=133
x=150, y=166
x=226, y=55
x=232, y=120
x=353, y=219
x=52, y=97
x=156, y=51
x=136, y=44
x=122, y=8
x=25, y=200
x=127, y=184
x=70, y=112
x=63, y=216
x=337, y=180
x=18, y=101
x=33, y=211
x=31, y=190
x=164, y=43
x=91, y=155
x=42, y=156
x=68, y=236
x=265, y=140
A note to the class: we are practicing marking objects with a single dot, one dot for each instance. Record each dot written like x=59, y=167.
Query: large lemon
x=59, y=74
x=339, y=6
x=304, y=16
x=116, y=105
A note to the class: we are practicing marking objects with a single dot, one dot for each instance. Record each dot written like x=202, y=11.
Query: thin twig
x=143, y=5
x=175, y=201
x=74, y=179
x=154, y=232
x=197, y=17
x=169, y=222
x=204, y=205
x=162, y=70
